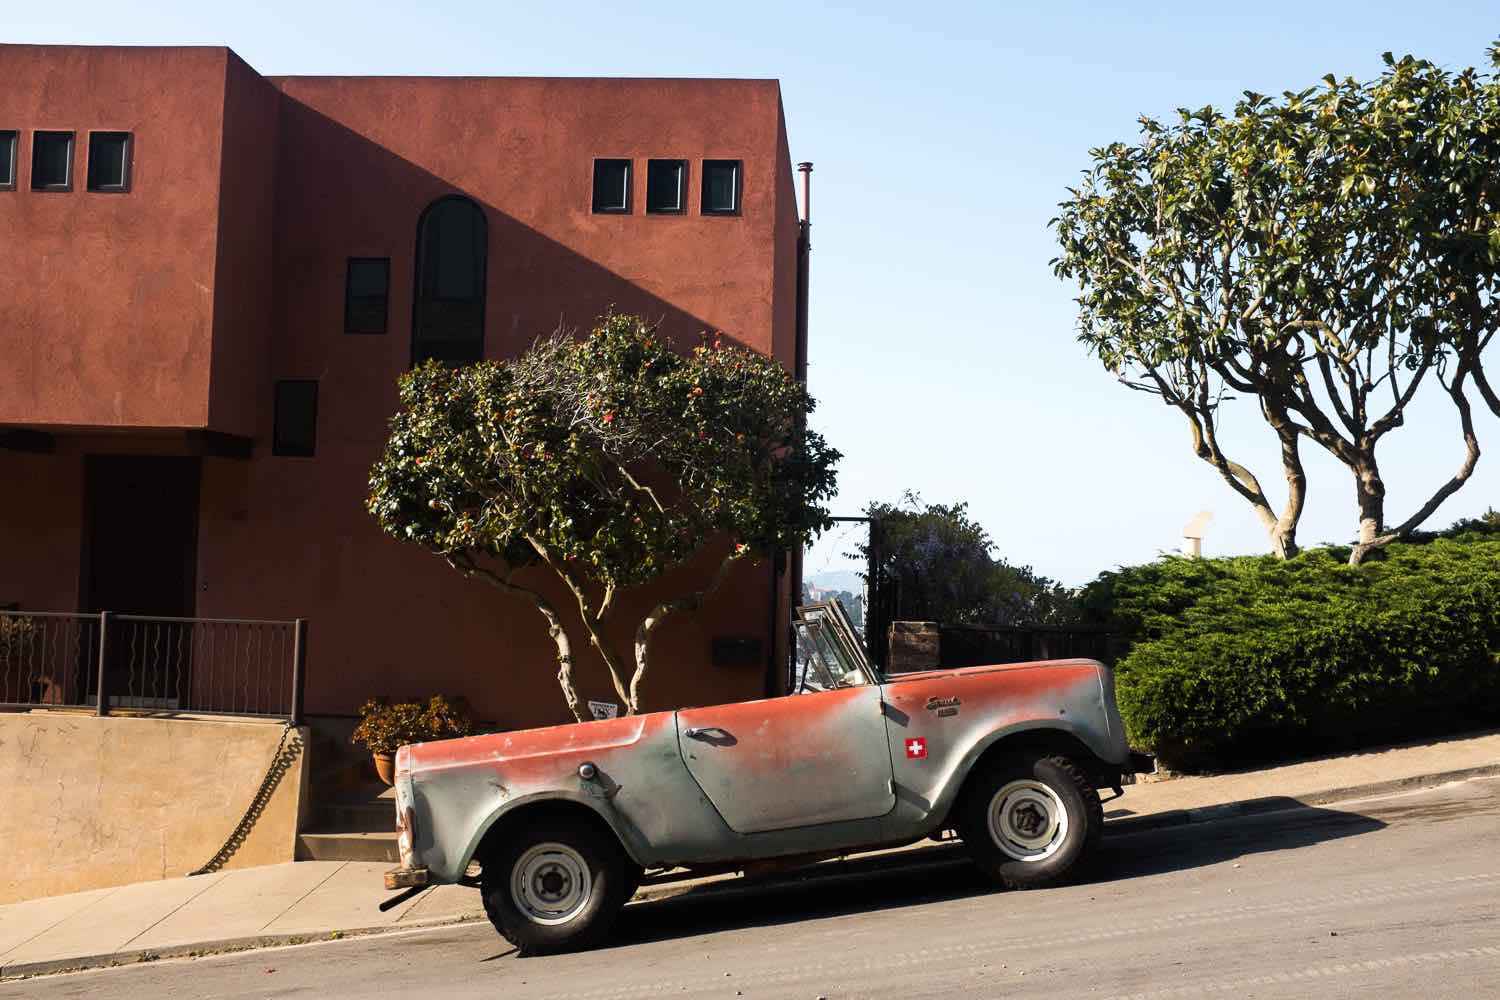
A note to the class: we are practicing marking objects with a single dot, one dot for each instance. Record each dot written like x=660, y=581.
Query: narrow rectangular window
x=52, y=161
x=612, y=186
x=366, y=290
x=296, y=428
x=665, y=184
x=8, y=145
x=721, y=187
x=109, y=161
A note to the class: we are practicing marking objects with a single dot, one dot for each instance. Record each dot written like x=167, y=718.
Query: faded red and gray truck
x=558, y=827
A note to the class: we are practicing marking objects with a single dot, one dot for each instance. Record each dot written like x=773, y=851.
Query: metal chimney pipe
x=805, y=169
x=799, y=370
x=804, y=249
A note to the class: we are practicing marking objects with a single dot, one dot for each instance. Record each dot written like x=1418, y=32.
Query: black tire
x=1027, y=809
x=581, y=918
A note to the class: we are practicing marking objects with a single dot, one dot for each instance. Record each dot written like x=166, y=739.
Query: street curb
x=221, y=946
x=918, y=859
x=1278, y=803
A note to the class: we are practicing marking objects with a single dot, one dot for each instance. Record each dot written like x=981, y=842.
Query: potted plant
x=384, y=728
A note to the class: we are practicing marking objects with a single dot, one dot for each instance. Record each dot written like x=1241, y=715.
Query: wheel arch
x=503, y=822
x=1045, y=738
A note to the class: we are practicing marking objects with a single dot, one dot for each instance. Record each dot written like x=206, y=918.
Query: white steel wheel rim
x=1028, y=821
x=550, y=884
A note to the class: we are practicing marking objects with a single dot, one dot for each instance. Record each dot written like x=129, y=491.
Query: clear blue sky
x=942, y=349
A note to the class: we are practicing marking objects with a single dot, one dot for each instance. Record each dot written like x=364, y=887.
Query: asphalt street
x=1390, y=897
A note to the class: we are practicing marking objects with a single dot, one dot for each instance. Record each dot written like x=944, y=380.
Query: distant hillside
x=838, y=579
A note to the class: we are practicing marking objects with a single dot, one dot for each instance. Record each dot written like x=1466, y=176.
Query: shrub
x=17, y=636
x=384, y=728
x=1255, y=658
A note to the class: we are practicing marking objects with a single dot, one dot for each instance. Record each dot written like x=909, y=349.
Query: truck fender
x=1018, y=734
x=512, y=808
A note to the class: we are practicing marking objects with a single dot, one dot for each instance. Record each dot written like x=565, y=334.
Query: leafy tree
x=1326, y=253
x=607, y=461
x=943, y=566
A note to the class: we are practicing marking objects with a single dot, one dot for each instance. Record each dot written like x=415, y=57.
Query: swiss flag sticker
x=916, y=749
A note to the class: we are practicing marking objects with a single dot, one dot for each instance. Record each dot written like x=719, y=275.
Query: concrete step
x=353, y=817
x=337, y=768
x=369, y=807
x=348, y=846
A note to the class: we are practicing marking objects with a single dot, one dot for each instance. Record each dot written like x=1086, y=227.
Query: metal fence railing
x=200, y=666
x=47, y=658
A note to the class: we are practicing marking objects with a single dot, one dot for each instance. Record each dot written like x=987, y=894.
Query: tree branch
x=465, y=565
x=653, y=619
x=1465, y=470
x=589, y=615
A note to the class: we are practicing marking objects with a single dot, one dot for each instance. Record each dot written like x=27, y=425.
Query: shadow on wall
x=354, y=196
x=342, y=195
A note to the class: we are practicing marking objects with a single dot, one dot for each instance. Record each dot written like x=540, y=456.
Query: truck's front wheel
x=1031, y=820
x=556, y=887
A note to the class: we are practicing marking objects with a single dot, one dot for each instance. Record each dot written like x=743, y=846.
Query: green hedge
x=1234, y=660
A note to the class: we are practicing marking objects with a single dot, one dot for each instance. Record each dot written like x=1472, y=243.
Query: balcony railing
x=197, y=666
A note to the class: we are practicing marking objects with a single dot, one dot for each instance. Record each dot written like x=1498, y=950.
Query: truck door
x=818, y=756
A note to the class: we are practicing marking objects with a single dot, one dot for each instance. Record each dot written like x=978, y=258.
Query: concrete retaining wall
x=92, y=802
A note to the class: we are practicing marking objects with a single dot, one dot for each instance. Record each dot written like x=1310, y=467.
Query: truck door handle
x=710, y=734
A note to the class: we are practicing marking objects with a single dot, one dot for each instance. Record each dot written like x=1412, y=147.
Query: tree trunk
x=1284, y=542
x=1369, y=491
x=467, y=567
x=654, y=617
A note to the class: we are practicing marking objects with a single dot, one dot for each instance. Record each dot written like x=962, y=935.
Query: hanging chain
x=281, y=763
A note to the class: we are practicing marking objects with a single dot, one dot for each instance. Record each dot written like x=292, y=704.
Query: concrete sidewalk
x=313, y=900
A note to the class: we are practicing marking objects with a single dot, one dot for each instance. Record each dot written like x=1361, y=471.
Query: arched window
x=448, y=307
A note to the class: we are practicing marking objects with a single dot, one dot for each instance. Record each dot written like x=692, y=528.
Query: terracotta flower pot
x=385, y=767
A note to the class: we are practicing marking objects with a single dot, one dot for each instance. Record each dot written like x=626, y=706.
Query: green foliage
x=610, y=459
x=384, y=728
x=1487, y=523
x=1256, y=657
x=942, y=564
x=611, y=453
x=17, y=635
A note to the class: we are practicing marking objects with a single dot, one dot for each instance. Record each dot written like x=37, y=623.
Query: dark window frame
x=126, y=166
x=419, y=261
x=72, y=155
x=15, y=156
x=682, y=186
x=739, y=188
x=279, y=446
x=385, y=307
x=628, y=206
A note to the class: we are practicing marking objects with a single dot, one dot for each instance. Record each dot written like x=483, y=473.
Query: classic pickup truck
x=557, y=827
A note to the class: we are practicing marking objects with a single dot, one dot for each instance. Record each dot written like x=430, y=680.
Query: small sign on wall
x=604, y=709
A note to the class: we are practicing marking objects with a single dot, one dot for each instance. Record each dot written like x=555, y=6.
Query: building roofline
x=279, y=78
x=470, y=78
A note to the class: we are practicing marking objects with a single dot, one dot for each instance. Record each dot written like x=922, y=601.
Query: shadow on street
x=945, y=874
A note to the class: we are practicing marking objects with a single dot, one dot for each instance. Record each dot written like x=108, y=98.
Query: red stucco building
x=214, y=279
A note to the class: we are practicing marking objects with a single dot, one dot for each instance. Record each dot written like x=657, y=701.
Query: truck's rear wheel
x=556, y=887
x=1031, y=820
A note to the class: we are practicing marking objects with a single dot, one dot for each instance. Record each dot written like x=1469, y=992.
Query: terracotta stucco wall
x=98, y=802
x=359, y=161
x=106, y=300
x=355, y=161
x=246, y=233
